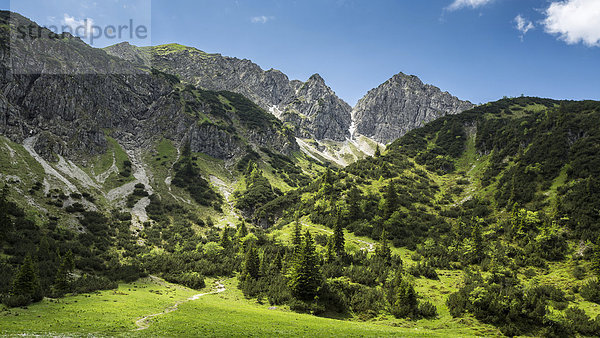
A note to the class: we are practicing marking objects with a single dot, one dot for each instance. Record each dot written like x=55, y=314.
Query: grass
x=16, y=161
x=230, y=314
x=102, y=313
x=115, y=312
x=105, y=161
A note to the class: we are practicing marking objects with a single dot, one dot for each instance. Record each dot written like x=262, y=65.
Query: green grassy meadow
x=115, y=312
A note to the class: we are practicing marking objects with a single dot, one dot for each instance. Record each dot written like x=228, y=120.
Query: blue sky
x=480, y=50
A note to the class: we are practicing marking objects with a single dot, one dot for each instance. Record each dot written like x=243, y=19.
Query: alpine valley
x=166, y=191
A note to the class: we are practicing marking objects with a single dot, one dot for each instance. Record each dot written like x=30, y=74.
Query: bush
x=192, y=280
x=90, y=283
x=425, y=270
x=16, y=300
x=75, y=207
x=577, y=320
x=278, y=292
x=427, y=310
x=590, y=291
x=305, y=307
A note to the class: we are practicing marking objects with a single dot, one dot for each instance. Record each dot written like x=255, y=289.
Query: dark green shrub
x=192, y=280
x=427, y=310
x=590, y=291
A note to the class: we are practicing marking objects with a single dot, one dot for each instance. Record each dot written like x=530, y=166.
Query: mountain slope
x=312, y=108
x=98, y=125
x=506, y=192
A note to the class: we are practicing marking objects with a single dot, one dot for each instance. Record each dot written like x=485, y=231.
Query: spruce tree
x=383, y=250
x=27, y=283
x=70, y=261
x=330, y=248
x=327, y=181
x=252, y=263
x=242, y=230
x=391, y=200
x=305, y=277
x=225, y=240
x=406, y=302
x=6, y=224
x=377, y=152
x=353, y=201
x=297, y=237
x=596, y=259
x=62, y=282
x=478, y=250
x=338, y=235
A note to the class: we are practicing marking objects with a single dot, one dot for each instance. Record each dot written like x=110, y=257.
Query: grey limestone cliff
x=312, y=108
x=401, y=104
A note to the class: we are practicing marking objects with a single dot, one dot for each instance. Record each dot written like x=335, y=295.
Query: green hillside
x=482, y=223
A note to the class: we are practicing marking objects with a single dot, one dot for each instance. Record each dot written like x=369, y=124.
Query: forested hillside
x=506, y=192
x=504, y=195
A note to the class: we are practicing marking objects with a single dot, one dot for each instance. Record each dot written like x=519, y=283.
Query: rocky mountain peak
x=316, y=79
x=318, y=111
x=401, y=104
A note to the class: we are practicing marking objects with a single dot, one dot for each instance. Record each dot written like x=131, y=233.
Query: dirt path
x=144, y=322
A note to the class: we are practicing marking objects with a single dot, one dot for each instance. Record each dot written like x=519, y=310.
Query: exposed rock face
x=317, y=112
x=72, y=112
x=401, y=104
x=312, y=108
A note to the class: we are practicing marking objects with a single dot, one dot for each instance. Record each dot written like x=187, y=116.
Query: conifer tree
x=406, y=302
x=383, y=250
x=330, y=248
x=327, y=181
x=353, y=201
x=596, y=259
x=377, y=152
x=62, y=282
x=339, y=241
x=225, y=240
x=391, y=200
x=478, y=250
x=278, y=262
x=252, y=263
x=297, y=237
x=242, y=230
x=6, y=224
x=27, y=283
x=43, y=250
x=70, y=261
x=305, y=277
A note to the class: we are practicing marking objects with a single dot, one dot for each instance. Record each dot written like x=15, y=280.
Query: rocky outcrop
x=401, y=104
x=317, y=112
x=312, y=108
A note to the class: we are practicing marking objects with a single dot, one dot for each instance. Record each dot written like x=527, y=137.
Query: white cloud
x=574, y=21
x=82, y=28
x=458, y=4
x=523, y=25
x=261, y=19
